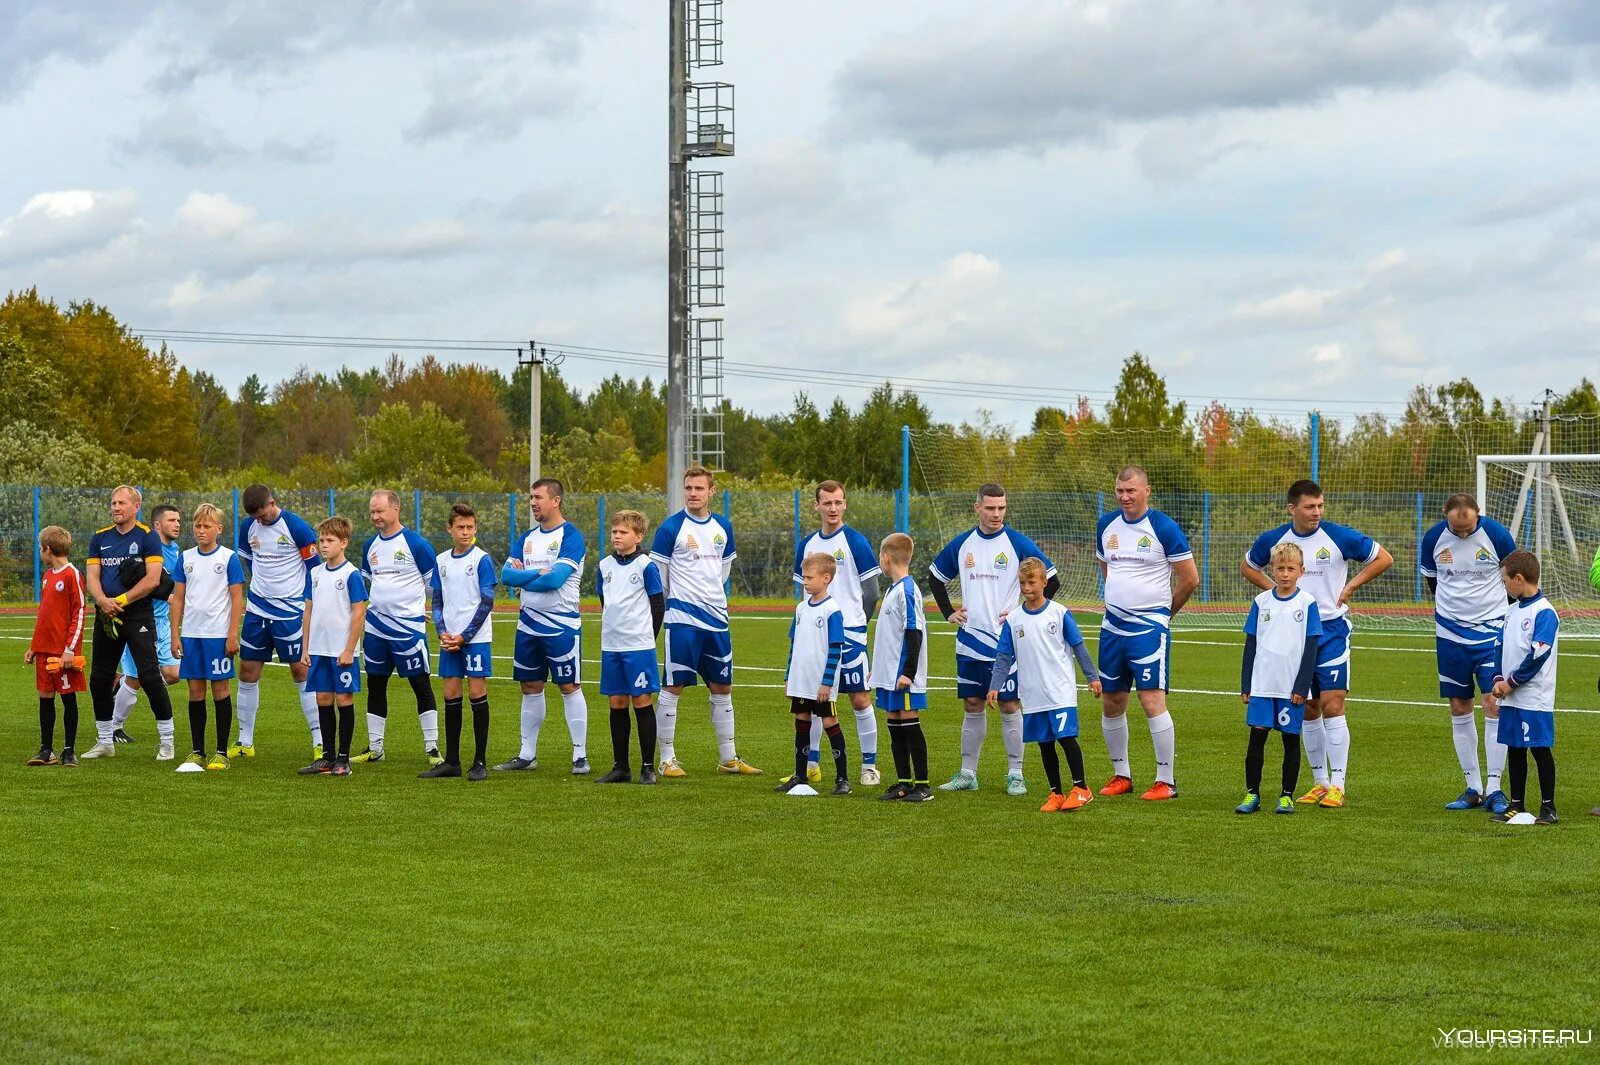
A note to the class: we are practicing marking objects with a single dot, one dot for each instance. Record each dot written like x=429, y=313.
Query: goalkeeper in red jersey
x=56, y=650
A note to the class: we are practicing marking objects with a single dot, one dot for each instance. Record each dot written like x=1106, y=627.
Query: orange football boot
x=1118, y=785
x=1077, y=799
x=1160, y=790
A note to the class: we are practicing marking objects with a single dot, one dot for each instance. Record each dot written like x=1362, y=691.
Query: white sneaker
x=1015, y=785
x=100, y=750
x=165, y=753
x=869, y=776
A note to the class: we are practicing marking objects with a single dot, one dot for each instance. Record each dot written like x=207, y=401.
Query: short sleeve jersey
x=854, y=563
x=625, y=590
x=1138, y=556
x=555, y=612
x=333, y=593
x=1328, y=551
x=1466, y=570
x=815, y=627
x=279, y=554
x=692, y=552
x=1041, y=642
x=397, y=569
x=986, y=564
x=110, y=548
x=1281, y=628
x=900, y=612
x=208, y=578
x=1532, y=628
x=459, y=584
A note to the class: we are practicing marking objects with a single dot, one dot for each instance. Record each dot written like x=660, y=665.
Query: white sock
x=122, y=705
x=974, y=727
x=577, y=712
x=1115, y=730
x=375, y=729
x=722, y=725
x=1338, y=733
x=532, y=720
x=867, y=733
x=1011, y=734
x=666, y=726
x=1315, y=738
x=164, y=732
x=245, y=706
x=815, y=754
x=1165, y=740
x=1464, y=731
x=429, y=720
x=308, y=707
x=1494, y=755
x=103, y=730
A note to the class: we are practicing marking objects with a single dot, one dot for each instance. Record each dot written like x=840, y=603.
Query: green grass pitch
x=257, y=915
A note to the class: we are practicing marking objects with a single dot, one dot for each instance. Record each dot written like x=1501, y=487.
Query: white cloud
x=214, y=214
x=64, y=221
x=1298, y=306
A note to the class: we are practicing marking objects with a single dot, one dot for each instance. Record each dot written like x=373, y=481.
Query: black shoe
x=1505, y=815
x=647, y=775
x=516, y=764
x=341, y=767
x=320, y=767
x=69, y=758
x=616, y=775
x=840, y=787
x=895, y=793
x=443, y=769
x=479, y=771
x=45, y=757
x=790, y=784
x=121, y=736
x=1547, y=815
x=920, y=793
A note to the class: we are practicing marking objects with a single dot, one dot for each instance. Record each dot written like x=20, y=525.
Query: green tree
x=1140, y=399
x=417, y=449
x=602, y=461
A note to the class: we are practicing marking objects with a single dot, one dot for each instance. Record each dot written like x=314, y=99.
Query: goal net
x=1551, y=504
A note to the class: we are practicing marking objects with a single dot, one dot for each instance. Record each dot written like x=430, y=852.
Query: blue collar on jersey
x=463, y=554
x=623, y=560
x=1134, y=521
x=1283, y=598
x=1303, y=535
x=829, y=536
x=698, y=521
x=1528, y=600
x=552, y=528
x=1041, y=610
x=214, y=549
x=818, y=602
x=335, y=569
x=398, y=532
x=990, y=536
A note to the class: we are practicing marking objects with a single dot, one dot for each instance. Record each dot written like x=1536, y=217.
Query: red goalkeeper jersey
x=59, y=626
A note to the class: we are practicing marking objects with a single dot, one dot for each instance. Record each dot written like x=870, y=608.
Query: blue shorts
x=629, y=673
x=473, y=660
x=407, y=656
x=1463, y=664
x=973, y=676
x=695, y=652
x=854, y=673
x=163, y=649
x=541, y=658
x=1333, y=658
x=1138, y=661
x=1527, y=728
x=895, y=701
x=1047, y=726
x=260, y=636
x=327, y=676
x=1281, y=714
x=205, y=658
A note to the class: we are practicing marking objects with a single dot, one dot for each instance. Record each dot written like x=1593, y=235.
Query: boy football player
x=1040, y=642
x=633, y=602
x=1282, y=634
x=900, y=652
x=335, y=617
x=1526, y=686
x=207, y=609
x=816, y=644
x=463, y=581
x=56, y=649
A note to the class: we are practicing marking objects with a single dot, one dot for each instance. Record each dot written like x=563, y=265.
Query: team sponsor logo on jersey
x=61, y=586
x=838, y=554
x=691, y=543
x=1052, y=628
x=1111, y=542
x=970, y=561
x=1299, y=615
x=1266, y=616
x=339, y=584
x=1017, y=631
x=1323, y=554
x=1527, y=624
x=283, y=540
x=218, y=568
x=1001, y=561
x=401, y=556
x=633, y=578
x=1447, y=556
x=718, y=540
x=821, y=622
x=1143, y=544
x=552, y=548
x=1483, y=555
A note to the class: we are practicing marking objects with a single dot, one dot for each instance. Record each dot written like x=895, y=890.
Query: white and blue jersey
x=816, y=644
x=986, y=565
x=398, y=569
x=627, y=627
x=900, y=648
x=1042, y=645
x=462, y=588
x=162, y=609
x=1134, y=632
x=1469, y=603
x=208, y=579
x=695, y=554
x=1528, y=664
x=333, y=592
x=547, y=645
x=278, y=554
x=854, y=563
x=1328, y=551
x=1287, y=633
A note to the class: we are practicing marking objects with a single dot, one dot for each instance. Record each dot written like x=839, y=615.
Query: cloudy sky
x=1310, y=204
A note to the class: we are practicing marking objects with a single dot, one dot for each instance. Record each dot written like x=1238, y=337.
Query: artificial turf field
x=258, y=915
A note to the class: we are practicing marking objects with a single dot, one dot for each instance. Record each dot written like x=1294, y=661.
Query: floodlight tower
x=700, y=126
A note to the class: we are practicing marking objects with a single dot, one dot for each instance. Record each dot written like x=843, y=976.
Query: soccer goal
x=1551, y=504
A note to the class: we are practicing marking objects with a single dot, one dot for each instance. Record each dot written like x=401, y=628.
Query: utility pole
x=535, y=364
x=677, y=291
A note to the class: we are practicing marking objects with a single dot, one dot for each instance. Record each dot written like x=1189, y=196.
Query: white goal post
x=1542, y=487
